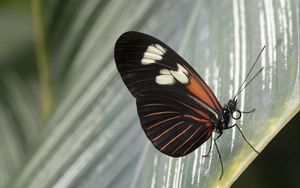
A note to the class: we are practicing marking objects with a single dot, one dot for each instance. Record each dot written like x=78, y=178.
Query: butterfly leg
x=246, y=139
x=209, y=150
x=219, y=158
x=231, y=126
x=219, y=135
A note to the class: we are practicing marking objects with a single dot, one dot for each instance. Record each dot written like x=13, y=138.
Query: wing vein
x=205, y=133
x=167, y=130
x=164, y=121
x=160, y=113
x=175, y=138
x=186, y=141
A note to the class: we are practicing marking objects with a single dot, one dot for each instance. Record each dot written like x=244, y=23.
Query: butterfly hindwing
x=173, y=125
x=175, y=106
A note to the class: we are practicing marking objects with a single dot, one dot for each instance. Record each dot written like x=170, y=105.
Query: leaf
x=93, y=138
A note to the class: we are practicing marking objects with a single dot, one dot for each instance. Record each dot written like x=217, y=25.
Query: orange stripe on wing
x=161, y=113
x=194, y=143
x=175, y=138
x=186, y=141
x=196, y=110
x=203, y=114
x=206, y=133
x=212, y=96
x=196, y=119
x=200, y=89
x=172, y=127
x=166, y=120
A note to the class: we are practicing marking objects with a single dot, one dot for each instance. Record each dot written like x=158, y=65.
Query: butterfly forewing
x=175, y=106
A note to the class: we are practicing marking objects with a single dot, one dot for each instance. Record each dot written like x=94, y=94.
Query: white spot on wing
x=166, y=76
x=180, y=76
x=166, y=79
x=182, y=69
x=160, y=48
x=146, y=61
x=154, y=50
x=152, y=54
x=164, y=71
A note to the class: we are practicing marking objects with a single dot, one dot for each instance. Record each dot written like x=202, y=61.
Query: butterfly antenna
x=249, y=72
x=249, y=82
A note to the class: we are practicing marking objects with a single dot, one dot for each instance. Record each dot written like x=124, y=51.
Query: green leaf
x=93, y=137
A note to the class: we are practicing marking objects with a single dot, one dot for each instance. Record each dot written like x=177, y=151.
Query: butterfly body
x=227, y=115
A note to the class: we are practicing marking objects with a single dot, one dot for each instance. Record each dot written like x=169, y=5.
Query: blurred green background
x=42, y=100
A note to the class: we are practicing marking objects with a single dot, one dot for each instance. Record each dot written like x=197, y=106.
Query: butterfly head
x=232, y=105
x=231, y=109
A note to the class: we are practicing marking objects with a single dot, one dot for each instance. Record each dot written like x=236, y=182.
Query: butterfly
x=177, y=110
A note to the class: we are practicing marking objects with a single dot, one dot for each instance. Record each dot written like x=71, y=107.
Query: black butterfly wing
x=172, y=122
x=175, y=106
